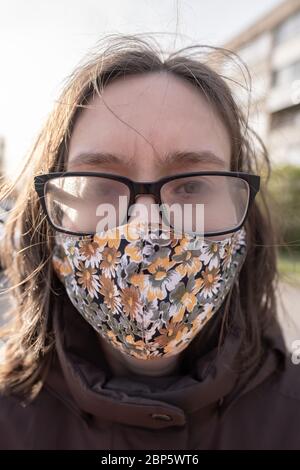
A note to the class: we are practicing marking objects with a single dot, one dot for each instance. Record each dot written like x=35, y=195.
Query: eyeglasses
x=74, y=202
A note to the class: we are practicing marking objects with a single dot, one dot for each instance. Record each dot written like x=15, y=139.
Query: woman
x=134, y=333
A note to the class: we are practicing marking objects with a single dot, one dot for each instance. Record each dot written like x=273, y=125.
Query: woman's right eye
x=190, y=187
x=107, y=190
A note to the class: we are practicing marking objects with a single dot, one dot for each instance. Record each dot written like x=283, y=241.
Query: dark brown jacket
x=82, y=406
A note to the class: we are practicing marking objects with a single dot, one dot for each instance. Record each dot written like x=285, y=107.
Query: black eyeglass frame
x=152, y=188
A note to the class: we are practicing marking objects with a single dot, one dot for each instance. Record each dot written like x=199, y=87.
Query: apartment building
x=271, y=50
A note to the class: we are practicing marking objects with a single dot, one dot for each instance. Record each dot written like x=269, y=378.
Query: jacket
x=83, y=406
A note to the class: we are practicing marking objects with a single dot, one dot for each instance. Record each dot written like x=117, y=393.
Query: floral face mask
x=146, y=292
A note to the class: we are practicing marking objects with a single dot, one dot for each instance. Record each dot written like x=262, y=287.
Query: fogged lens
x=86, y=204
x=203, y=204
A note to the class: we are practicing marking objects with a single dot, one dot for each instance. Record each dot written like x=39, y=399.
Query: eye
x=189, y=187
x=107, y=189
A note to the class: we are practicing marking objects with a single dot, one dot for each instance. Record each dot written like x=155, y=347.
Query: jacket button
x=161, y=417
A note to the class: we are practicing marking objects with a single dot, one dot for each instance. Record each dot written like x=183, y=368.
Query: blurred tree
x=284, y=189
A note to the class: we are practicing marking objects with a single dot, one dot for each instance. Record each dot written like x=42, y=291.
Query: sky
x=41, y=41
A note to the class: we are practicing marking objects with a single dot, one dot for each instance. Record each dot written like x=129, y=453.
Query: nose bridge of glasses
x=145, y=203
x=145, y=189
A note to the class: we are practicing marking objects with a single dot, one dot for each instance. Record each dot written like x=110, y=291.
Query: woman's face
x=146, y=127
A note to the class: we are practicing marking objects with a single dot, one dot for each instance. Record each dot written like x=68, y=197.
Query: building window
x=287, y=74
x=256, y=50
x=286, y=118
x=288, y=28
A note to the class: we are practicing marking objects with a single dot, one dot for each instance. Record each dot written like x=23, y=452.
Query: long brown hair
x=28, y=244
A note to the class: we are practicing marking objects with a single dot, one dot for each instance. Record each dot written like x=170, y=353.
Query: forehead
x=151, y=115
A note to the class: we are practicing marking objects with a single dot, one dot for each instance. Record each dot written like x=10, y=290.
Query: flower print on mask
x=145, y=291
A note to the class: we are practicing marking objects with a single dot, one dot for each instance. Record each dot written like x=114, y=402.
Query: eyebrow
x=185, y=157
x=169, y=159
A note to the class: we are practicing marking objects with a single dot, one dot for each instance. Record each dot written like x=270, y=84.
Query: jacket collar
x=86, y=385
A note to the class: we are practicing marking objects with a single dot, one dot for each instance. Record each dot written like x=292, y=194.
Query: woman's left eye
x=192, y=187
